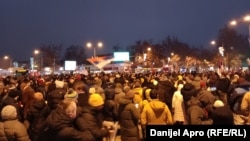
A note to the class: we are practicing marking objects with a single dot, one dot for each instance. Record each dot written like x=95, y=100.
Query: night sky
x=27, y=24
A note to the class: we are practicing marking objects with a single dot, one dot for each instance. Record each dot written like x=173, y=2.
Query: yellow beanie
x=180, y=77
x=95, y=100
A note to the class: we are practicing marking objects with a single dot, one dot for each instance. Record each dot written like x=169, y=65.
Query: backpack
x=236, y=99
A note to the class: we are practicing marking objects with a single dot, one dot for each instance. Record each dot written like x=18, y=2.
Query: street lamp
x=245, y=19
x=213, y=42
x=40, y=58
x=99, y=45
x=7, y=58
x=36, y=52
x=145, y=55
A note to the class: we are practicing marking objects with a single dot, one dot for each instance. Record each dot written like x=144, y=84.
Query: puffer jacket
x=245, y=106
x=156, y=112
x=91, y=120
x=13, y=130
x=196, y=114
x=55, y=97
x=129, y=117
x=61, y=127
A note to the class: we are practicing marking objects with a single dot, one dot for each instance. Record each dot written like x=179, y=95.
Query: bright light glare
x=247, y=18
x=100, y=44
x=234, y=22
x=6, y=57
x=89, y=45
x=36, y=51
x=213, y=42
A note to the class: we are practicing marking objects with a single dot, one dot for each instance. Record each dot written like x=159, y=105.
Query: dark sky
x=27, y=24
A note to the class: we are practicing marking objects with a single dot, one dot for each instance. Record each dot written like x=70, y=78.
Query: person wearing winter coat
x=156, y=112
x=196, y=114
x=81, y=88
x=187, y=92
x=119, y=93
x=178, y=106
x=5, y=100
x=91, y=118
x=56, y=95
x=245, y=107
x=27, y=97
x=165, y=90
x=222, y=114
x=37, y=114
x=110, y=110
x=61, y=123
x=11, y=129
x=129, y=118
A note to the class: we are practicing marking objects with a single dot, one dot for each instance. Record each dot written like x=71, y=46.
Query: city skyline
x=26, y=25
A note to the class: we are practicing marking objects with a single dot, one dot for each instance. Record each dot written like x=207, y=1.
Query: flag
x=101, y=61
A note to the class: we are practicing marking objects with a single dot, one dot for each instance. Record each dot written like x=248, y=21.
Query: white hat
x=218, y=103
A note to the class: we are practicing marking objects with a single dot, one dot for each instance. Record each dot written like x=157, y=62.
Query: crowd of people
x=98, y=106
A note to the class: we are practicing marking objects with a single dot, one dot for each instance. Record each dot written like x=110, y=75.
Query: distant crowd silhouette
x=102, y=106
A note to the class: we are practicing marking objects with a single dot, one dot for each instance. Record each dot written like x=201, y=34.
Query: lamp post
x=40, y=58
x=36, y=52
x=7, y=58
x=245, y=19
x=99, y=45
x=145, y=56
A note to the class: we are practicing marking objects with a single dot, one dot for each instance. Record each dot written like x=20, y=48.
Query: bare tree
x=51, y=54
x=76, y=53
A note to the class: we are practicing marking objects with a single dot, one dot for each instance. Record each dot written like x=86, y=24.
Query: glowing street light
x=7, y=58
x=213, y=42
x=245, y=19
x=99, y=45
x=145, y=55
x=38, y=52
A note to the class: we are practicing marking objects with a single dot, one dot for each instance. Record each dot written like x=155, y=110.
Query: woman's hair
x=64, y=104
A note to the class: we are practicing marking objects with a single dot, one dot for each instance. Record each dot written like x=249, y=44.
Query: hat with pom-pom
x=71, y=94
x=95, y=100
x=218, y=103
x=9, y=112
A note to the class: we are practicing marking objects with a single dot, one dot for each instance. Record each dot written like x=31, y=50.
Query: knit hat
x=179, y=77
x=92, y=90
x=130, y=94
x=71, y=94
x=59, y=84
x=95, y=100
x=9, y=112
x=218, y=103
x=38, y=96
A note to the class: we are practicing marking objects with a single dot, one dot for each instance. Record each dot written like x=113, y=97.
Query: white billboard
x=121, y=56
x=70, y=65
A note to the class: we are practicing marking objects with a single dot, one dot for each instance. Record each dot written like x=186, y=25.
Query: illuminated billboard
x=70, y=65
x=121, y=56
